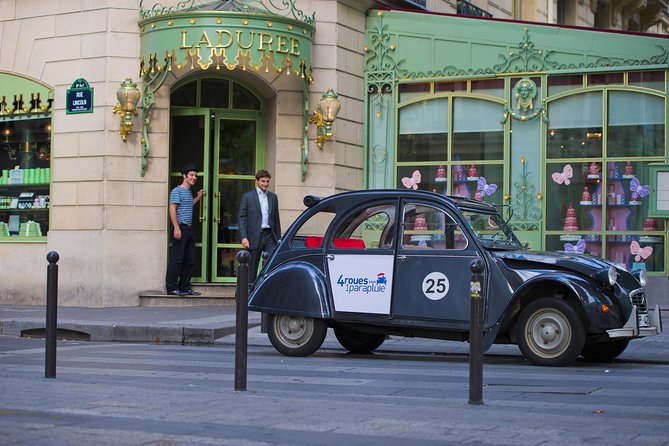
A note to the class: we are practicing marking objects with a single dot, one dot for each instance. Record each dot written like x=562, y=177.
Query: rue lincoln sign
x=79, y=98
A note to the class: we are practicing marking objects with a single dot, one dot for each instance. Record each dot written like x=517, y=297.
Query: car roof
x=410, y=194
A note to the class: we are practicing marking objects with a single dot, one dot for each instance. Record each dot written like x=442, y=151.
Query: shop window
x=410, y=91
x=184, y=96
x=426, y=227
x=575, y=129
x=25, y=175
x=477, y=131
x=450, y=86
x=369, y=228
x=423, y=134
x=606, y=79
x=311, y=233
x=560, y=84
x=215, y=93
x=492, y=87
x=647, y=79
x=244, y=99
x=636, y=124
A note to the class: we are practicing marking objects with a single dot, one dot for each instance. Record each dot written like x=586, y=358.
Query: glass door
x=238, y=144
x=189, y=143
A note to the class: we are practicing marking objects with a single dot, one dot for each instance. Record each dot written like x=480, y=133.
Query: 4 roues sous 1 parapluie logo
x=366, y=285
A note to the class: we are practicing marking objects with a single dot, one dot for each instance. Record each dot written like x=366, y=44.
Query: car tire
x=550, y=332
x=357, y=341
x=296, y=335
x=604, y=351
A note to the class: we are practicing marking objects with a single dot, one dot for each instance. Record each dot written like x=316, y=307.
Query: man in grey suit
x=259, y=226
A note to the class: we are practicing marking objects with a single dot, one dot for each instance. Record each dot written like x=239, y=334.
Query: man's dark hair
x=262, y=173
x=189, y=168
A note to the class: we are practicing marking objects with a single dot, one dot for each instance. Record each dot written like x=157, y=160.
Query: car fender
x=588, y=296
x=297, y=288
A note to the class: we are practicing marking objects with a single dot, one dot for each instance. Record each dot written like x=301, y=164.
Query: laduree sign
x=79, y=97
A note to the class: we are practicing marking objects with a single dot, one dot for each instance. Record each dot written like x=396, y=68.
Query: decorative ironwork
x=526, y=211
x=20, y=106
x=466, y=8
x=285, y=8
x=526, y=58
x=380, y=64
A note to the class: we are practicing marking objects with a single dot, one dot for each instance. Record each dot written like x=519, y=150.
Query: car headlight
x=641, y=275
x=608, y=276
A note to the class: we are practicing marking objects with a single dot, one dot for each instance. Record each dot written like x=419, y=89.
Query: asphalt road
x=142, y=394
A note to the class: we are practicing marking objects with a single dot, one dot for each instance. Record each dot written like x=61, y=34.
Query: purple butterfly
x=579, y=248
x=638, y=190
x=486, y=189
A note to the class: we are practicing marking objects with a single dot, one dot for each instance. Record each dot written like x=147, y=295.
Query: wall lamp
x=324, y=116
x=127, y=96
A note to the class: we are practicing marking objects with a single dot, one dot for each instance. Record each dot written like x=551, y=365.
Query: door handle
x=218, y=217
x=401, y=257
x=330, y=256
x=202, y=216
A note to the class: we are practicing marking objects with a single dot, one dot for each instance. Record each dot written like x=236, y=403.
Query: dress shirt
x=264, y=208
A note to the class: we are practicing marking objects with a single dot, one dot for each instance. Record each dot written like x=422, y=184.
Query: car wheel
x=296, y=335
x=550, y=332
x=604, y=351
x=357, y=341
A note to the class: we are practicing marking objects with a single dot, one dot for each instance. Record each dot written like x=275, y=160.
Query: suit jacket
x=250, y=217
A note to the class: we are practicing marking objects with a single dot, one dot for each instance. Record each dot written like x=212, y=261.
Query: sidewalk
x=216, y=325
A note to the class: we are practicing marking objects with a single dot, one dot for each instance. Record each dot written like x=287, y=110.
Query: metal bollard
x=51, y=314
x=476, y=335
x=242, y=320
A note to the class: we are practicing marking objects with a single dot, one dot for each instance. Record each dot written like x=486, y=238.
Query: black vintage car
x=397, y=262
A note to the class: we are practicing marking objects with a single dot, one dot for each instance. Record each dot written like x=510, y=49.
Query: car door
x=432, y=275
x=360, y=252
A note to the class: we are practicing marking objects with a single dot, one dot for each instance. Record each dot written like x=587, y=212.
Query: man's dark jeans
x=182, y=261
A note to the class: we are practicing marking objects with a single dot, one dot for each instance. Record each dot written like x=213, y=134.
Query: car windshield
x=492, y=230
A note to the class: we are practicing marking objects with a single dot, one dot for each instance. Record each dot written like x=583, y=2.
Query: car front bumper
x=639, y=325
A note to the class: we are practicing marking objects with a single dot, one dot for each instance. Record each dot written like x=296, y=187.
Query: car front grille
x=639, y=299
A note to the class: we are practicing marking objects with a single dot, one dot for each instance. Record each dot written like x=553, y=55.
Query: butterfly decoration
x=638, y=190
x=579, y=248
x=564, y=176
x=413, y=182
x=639, y=252
x=485, y=188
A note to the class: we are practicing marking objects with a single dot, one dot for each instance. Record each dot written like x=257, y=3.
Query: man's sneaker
x=190, y=293
x=175, y=293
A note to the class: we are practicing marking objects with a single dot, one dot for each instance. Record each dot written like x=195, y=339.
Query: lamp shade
x=329, y=105
x=128, y=95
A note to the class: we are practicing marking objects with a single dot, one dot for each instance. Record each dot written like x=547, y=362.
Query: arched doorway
x=217, y=123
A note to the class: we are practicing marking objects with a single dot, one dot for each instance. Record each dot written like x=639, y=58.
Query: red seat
x=314, y=241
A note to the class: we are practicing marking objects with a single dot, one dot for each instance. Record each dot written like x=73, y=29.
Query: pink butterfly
x=563, y=177
x=637, y=189
x=579, y=248
x=639, y=252
x=413, y=182
x=486, y=189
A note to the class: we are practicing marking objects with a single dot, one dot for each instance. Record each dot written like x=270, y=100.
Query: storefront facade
x=566, y=127
x=232, y=87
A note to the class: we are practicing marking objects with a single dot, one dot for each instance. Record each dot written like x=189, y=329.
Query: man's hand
x=245, y=243
x=177, y=233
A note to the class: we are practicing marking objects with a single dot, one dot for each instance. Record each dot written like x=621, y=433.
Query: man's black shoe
x=190, y=293
x=175, y=293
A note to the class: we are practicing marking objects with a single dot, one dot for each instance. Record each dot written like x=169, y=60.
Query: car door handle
x=330, y=256
x=401, y=257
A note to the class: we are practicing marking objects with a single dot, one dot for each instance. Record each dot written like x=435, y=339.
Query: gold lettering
x=183, y=40
x=220, y=38
x=281, y=43
x=264, y=41
x=205, y=39
x=294, y=47
x=239, y=40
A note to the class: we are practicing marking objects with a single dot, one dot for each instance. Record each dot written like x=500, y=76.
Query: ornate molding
x=380, y=63
x=525, y=203
x=526, y=92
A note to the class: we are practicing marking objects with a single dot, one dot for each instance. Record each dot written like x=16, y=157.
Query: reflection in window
x=636, y=124
x=310, y=234
x=426, y=227
x=423, y=134
x=559, y=84
x=244, y=99
x=372, y=227
x=477, y=131
x=575, y=127
x=647, y=79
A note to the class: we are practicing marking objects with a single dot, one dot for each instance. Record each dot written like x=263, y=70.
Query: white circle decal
x=435, y=285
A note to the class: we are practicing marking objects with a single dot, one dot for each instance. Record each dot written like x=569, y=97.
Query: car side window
x=426, y=227
x=368, y=228
x=312, y=231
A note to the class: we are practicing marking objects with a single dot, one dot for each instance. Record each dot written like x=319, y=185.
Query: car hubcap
x=548, y=333
x=294, y=329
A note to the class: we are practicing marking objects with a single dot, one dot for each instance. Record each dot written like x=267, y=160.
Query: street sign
x=79, y=98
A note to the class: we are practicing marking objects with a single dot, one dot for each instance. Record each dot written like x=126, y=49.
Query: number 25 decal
x=435, y=285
